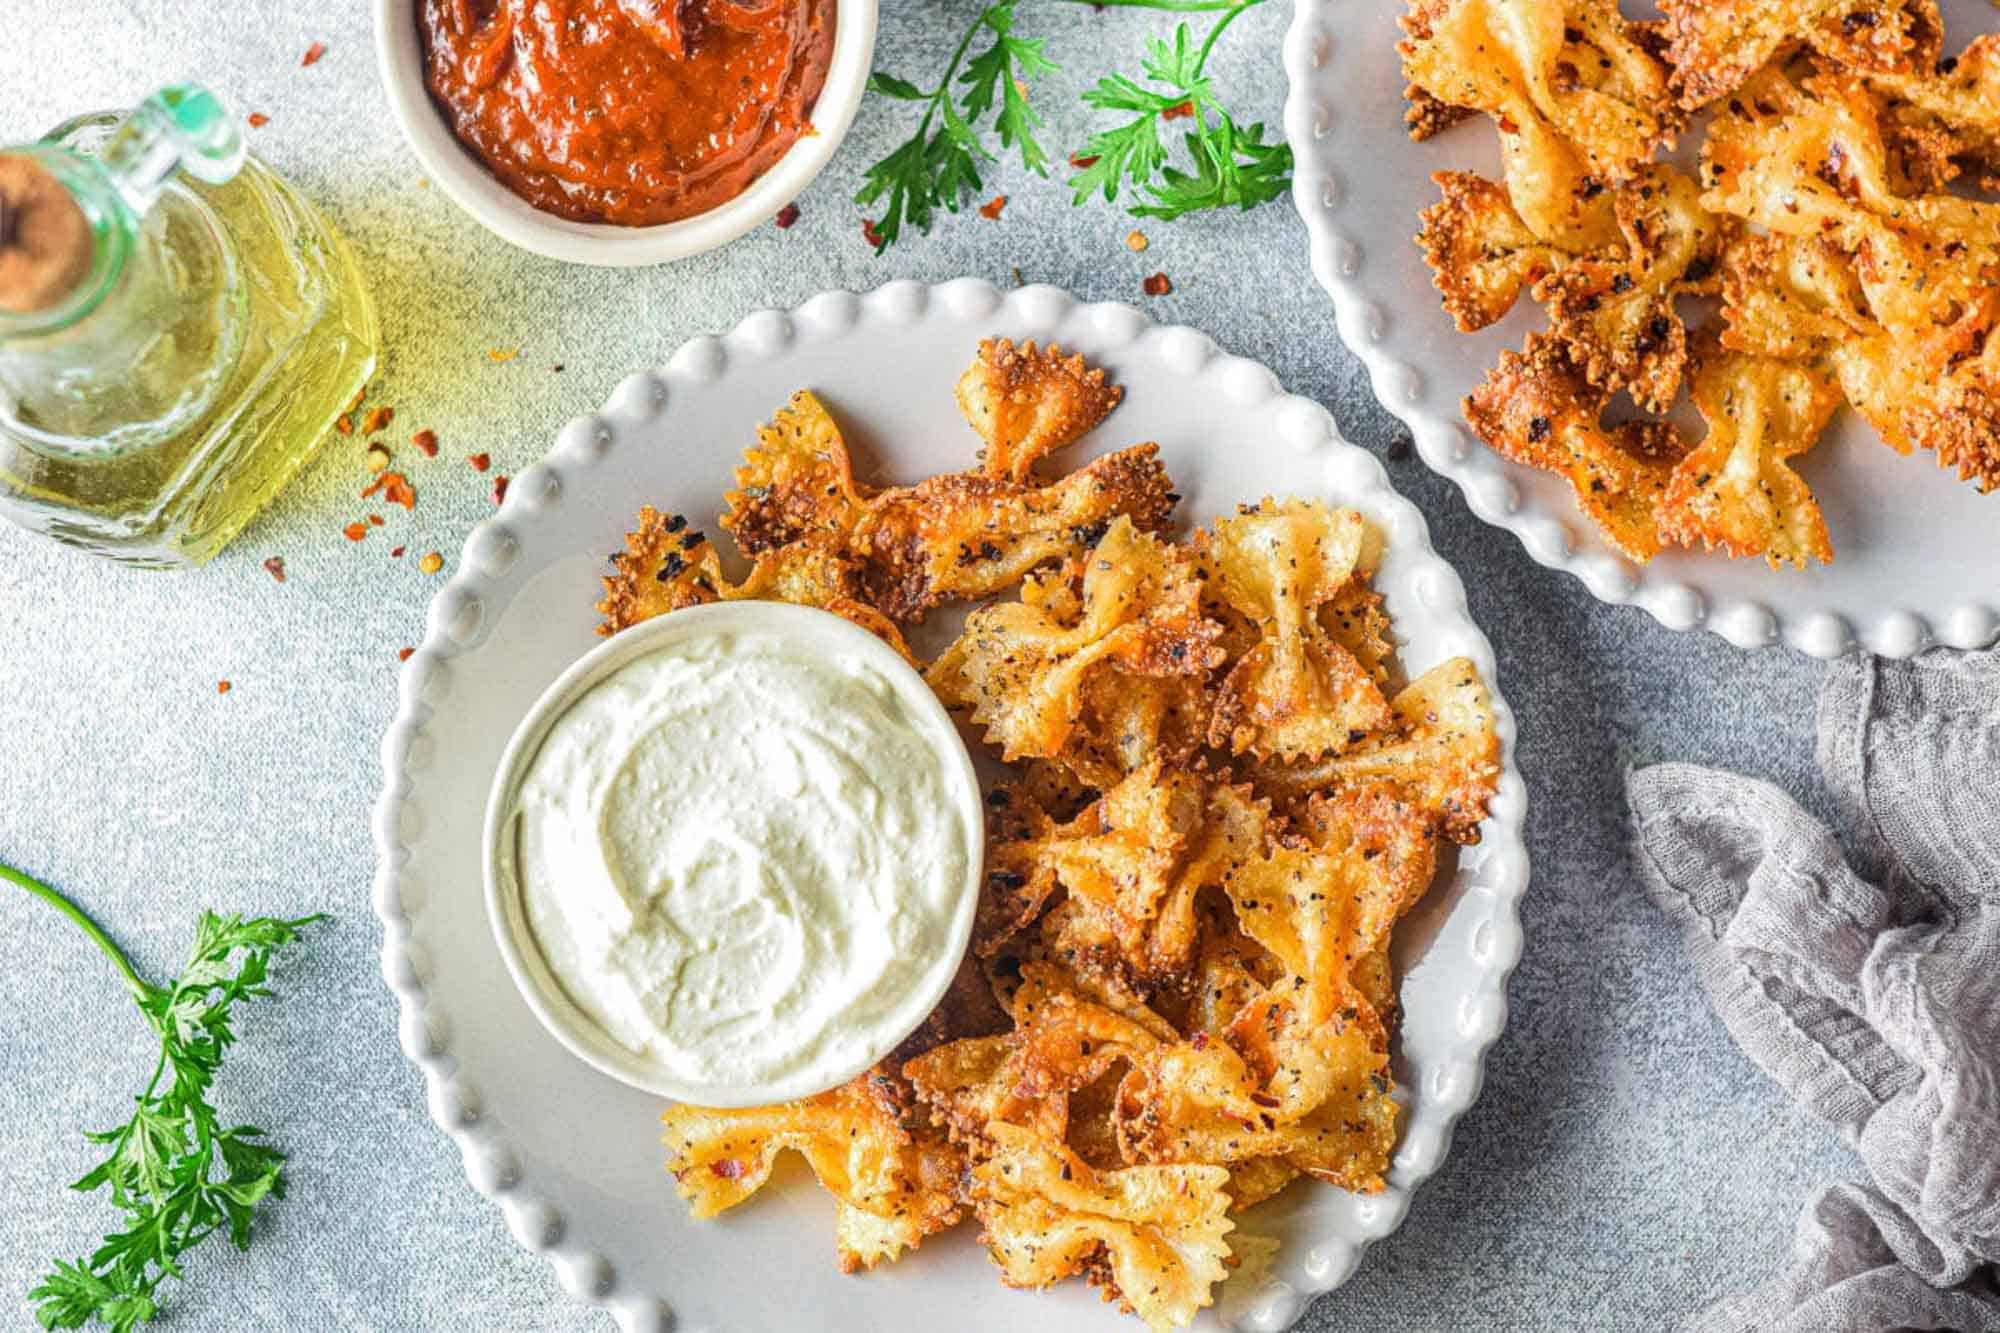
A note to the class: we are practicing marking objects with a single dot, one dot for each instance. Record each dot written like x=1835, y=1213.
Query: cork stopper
x=45, y=240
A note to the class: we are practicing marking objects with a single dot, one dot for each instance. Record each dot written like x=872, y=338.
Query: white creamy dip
x=746, y=857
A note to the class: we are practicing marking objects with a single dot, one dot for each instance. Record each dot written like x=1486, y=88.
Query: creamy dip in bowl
x=733, y=854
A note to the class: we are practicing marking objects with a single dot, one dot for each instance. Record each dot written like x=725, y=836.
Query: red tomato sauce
x=633, y=112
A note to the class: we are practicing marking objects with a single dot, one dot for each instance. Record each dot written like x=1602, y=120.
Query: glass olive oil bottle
x=178, y=331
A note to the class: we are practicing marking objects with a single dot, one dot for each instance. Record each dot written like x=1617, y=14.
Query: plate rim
x=1497, y=868
x=1447, y=447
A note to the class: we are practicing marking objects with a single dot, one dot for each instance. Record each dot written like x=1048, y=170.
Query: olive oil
x=222, y=328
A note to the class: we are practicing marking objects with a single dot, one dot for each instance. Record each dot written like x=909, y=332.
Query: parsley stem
x=133, y=981
x=1235, y=12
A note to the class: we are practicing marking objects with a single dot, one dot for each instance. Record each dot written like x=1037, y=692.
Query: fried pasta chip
x=1481, y=254
x=796, y=482
x=1445, y=761
x=1716, y=45
x=893, y=1187
x=664, y=567
x=1019, y=667
x=1026, y=402
x=1945, y=121
x=1298, y=692
x=1737, y=491
x=1576, y=90
x=1539, y=408
x=1152, y=1236
x=965, y=535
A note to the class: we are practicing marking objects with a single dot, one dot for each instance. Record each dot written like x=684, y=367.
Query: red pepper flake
x=394, y=488
x=728, y=1168
x=344, y=424
x=869, y=234
x=786, y=216
x=377, y=420
x=313, y=53
x=990, y=210
x=404, y=654
x=480, y=462
x=258, y=120
x=1083, y=160
x=354, y=532
x=500, y=490
x=426, y=442
x=430, y=563
x=275, y=567
x=1158, y=285
x=1178, y=111
x=377, y=521
x=397, y=554
x=222, y=687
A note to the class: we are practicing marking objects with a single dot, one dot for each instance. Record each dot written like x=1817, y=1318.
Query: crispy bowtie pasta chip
x=1577, y=92
x=796, y=482
x=965, y=535
x=1737, y=490
x=1716, y=45
x=1151, y=1236
x=1176, y=1001
x=1945, y=121
x=1298, y=692
x=1445, y=761
x=1482, y=256
x=1539, y=408
x=1019, y=667
x=893, y=1188
x=1026, y=402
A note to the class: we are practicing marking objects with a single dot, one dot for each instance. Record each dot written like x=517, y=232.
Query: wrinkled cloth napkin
x=1867, y=984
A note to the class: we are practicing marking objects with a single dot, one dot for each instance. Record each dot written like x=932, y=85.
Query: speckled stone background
x=1624, y=1163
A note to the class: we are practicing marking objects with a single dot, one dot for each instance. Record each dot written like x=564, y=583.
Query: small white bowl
x=560, y=1014
x=400, y=56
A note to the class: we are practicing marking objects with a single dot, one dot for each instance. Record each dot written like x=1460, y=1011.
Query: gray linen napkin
x=1868, y=985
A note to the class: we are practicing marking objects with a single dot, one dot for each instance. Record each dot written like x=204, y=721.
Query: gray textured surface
x=1624, y=1165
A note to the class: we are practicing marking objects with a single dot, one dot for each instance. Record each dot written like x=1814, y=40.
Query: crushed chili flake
x=1178, y=111
x=869, y=234
x=313, y=53
x=258, y=120
x=480, y=462
x=431, y=562
x=275, y=567
x=354, y=532
x=499, y=354
x=377, y=521
x=990, y=210
x=404, y=654
x=355, y=401
x=426, y=442
x=378, y=458
x=1158, y=285
x=397, y=554
x=1135, y=241
x=344, y=424
x=500, y=490
x=222, y=687
x=786, y=216
x=1082, y=161
x=377, y=420
x=394, y=488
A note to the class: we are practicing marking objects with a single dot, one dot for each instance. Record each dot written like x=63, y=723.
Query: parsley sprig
x=938, y=166
x=176, y=1170
x=1233, y=166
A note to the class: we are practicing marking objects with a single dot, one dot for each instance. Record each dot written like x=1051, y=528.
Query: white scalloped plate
x=571, y=1157
x=1917, y=552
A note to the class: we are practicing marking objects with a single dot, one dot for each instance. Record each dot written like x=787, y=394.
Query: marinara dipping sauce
x=633, y=112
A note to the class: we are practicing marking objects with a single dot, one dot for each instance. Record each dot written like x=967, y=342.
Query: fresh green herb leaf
x=161, y=1167
x=1233, y=166
x=938, y=165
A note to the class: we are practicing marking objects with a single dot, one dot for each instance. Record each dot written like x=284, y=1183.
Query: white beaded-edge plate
x=573, y=1158
x=1916, y=551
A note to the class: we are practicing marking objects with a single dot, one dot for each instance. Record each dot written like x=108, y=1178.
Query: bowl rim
x=467, y=182
x=544, y=993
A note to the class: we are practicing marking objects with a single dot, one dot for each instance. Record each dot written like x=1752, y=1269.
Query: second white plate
x=1917, y=552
